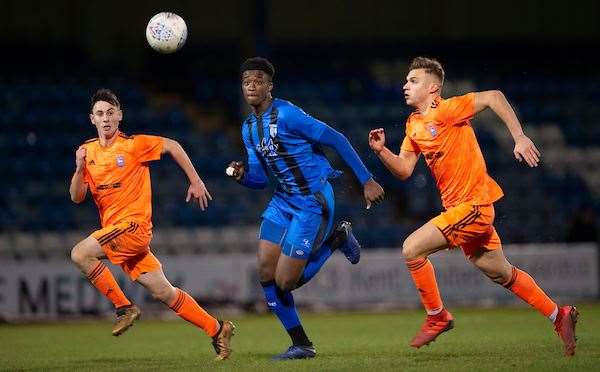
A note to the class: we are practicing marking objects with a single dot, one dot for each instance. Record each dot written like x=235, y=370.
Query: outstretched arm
x=78, y=188
x=197, y=189
x=524, y=148
x=373, y=192
x=334, y=139
x=318, y=132
x=401, y=165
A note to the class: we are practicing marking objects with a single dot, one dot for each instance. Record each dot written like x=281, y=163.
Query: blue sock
x=281, y=303
x=314, y=264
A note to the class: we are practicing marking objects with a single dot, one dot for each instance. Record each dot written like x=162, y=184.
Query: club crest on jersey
x=273, y=130
x=120, y=161
x=432, y=129
x=268, y=147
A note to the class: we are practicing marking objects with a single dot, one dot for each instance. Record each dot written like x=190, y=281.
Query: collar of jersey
x=269, y=108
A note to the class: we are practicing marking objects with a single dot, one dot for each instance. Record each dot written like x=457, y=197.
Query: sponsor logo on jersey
x=268, y=147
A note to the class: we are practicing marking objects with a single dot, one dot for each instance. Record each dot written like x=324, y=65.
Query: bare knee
x=286, y=283
x=266, y=271
x=409, y=249
x=80, y=257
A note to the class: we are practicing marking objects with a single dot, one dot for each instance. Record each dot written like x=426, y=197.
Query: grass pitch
x=505, y=339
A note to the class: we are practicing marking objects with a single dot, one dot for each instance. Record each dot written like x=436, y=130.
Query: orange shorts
x=469, y=227
x=127, y=244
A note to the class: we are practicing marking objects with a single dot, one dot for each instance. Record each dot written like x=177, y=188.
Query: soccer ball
x=166, y=32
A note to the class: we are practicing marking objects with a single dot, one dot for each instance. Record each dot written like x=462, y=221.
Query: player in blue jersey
x=296, y=236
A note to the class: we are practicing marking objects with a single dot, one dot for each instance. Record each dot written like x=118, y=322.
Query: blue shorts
x=299, y=223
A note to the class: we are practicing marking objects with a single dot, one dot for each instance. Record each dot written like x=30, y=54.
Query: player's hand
x=373, y=192
x=80, y=158
x=377, y=140
x=237, y=171
x=525, y=150
x=198, y=191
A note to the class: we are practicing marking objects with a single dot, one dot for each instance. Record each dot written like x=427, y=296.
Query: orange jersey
x=446, y=138
x=119, y=177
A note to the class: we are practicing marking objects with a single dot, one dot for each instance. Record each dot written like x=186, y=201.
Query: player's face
x=106, y=118
x=419, y=85
x=256, y=86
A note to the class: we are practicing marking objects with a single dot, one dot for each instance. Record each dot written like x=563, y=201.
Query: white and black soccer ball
x=166, y=32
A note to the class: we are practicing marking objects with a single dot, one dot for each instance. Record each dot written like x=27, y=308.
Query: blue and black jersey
x=286, y=141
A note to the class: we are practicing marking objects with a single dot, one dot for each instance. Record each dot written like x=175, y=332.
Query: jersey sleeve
x=302, y=124
x=409, y=145
x=147, y=148
x=458, y=109
x=255, y=176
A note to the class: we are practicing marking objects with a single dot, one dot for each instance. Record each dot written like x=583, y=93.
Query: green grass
x=483, y=340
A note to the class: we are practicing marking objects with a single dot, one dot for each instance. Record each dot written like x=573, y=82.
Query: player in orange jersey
x=440, y=129
x=115, y=168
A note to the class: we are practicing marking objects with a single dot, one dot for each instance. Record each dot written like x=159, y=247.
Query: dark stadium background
x=342, y=61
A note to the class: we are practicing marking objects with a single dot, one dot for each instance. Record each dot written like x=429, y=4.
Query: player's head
x=425, y=78
x=257, y=80
x=105, y=112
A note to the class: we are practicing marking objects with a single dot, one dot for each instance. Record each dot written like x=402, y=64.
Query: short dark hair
x=258, y=63
x=105, y=95
x=431, y=66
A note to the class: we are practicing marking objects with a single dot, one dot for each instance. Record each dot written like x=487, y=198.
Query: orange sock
x=423, y=275
x=187, y=308
x=527, y=289
x=105, y=282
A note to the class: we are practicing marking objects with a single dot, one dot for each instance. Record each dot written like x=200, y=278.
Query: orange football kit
x=447, y=141
x=118, y=177
x=445, y=137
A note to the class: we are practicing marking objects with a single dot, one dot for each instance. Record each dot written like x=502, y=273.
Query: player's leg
x=303, y=235
x=325, y=243
x=417, y=247
x=86, y=256
x=289, y=270
x=280, y=301
x=495, y=266
x=184, y=305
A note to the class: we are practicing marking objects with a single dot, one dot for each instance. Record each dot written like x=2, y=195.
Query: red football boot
x=434, y=326
x=564, y=326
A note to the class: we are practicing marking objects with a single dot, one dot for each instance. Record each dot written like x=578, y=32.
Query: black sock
x=299, y=337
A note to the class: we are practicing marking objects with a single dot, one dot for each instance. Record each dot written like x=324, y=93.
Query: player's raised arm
x=401, y=165
x=78, y=188
x=197, y=190
x=525, y=149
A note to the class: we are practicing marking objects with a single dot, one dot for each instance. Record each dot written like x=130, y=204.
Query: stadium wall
x=54, y=289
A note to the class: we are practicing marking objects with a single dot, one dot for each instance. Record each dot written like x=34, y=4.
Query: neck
x=106, y=141
x=424, y=106
x=259, y=109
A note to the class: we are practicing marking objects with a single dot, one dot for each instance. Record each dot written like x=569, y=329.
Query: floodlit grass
x=483, y=339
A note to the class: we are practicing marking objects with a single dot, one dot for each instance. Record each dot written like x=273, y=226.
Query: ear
x=434, y=87
x=270, y=87
x=120, y=115
x=92, y=119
